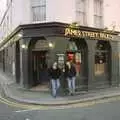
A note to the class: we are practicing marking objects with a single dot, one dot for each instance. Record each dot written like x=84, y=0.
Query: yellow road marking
x=39, y=107
x=10, y=103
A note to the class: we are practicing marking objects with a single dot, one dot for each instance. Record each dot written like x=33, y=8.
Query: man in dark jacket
x=70, y=74
x=55, y=74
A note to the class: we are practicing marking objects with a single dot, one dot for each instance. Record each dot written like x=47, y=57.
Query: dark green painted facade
x=54, y=32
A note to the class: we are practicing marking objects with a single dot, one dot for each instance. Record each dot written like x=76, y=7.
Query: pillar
x=115, y=75
x=24, y=70
x=91, y=61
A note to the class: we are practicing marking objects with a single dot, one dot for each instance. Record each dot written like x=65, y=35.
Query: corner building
x=29, y=50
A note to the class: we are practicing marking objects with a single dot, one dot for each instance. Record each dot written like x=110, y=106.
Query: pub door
x=40, y=74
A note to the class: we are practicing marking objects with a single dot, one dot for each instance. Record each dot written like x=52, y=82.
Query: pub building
x=28, y=52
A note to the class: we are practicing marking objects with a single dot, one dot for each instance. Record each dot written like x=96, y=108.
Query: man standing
x=55, y=74
x=70, y=74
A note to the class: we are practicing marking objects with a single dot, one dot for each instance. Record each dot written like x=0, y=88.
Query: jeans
x=71, y=84
x=55, y=86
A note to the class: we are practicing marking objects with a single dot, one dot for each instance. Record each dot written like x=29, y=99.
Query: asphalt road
x=105, y=110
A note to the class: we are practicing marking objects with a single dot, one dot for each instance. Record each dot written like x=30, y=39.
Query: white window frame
x=98, y=13
x=81, y=12
x=41, y=17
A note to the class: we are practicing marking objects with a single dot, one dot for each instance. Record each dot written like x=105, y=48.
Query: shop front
x=94, y=53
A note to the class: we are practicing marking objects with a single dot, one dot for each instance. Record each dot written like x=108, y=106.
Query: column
x=115, y=75
x=91, y=61
x=24, y=70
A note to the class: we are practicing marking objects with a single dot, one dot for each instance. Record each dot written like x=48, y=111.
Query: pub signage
x=82, y=34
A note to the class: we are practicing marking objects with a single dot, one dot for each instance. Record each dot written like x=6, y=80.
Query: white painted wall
x=63, y=11
x=16, y=13
x=21, y=12
x=111, y=13
x=60, y=10
x=90, y=13
x=26, y=12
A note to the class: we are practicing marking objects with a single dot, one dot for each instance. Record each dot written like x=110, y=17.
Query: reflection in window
x=76, y=53
x=100, y=61
x=72, y=46
x=101, y=58
x=78, y=62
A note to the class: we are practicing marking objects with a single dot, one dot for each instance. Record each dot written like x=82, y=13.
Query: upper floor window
x=98, y=13
x=81, y=12
x=38, y=10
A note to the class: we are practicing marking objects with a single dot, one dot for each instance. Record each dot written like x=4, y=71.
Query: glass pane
x=39, y=13
x=80, y=5
x=80, y=16
x=38, y=2
x=72, y=46
x=101, y=58
x=78, y=62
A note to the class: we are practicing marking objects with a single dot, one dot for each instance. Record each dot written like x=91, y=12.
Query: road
x=11, y=110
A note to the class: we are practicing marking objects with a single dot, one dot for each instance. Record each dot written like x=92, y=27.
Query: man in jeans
x=55, y=74
x=70, y=74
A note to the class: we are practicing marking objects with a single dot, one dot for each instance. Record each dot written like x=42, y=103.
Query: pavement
x=15, y=92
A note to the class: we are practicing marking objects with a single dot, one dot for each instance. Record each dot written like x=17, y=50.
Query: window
x=101, y=57
x=100, y=61
x=81, y=12
x=76, y=51
x=38, y=10
x=98, y=13
x=72, y=46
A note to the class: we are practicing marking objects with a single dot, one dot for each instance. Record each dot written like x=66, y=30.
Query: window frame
x=80, y=12
x=98, y=13
x=39, y=6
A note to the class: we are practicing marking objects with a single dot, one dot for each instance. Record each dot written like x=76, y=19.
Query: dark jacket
x=54, y=73
x=70, y=72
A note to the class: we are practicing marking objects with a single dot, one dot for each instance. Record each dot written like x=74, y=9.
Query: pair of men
x=69, y=73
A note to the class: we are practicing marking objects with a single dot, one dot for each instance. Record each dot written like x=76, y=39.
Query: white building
x=111, y=14
x=85, y=12
x=19, y=54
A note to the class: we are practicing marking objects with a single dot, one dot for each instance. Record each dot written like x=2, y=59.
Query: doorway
x=40, y=72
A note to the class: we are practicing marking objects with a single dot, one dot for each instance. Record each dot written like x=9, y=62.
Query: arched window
x=102, y=57
x=77, y=52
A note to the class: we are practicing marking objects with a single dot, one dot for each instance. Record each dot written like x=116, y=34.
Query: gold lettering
x=96, y=35
x=67, y=31
x=71, y=32
x=92, y=34
x=102, y=35
x=78, y=33
x=87, y=34
x=107, y=36
x=110, y=37
x=83, y=34
x=75, y=33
